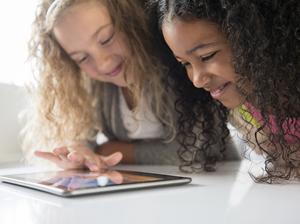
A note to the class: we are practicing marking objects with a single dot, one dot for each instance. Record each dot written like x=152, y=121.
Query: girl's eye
x=107, y=40
x=208, y=57
x=185, y=64
x=81, y=60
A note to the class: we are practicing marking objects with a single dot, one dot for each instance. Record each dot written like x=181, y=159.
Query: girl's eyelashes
x=208, y=57
x=185, y=64
x=203, y=58
x=81, y=60
x=107, y=40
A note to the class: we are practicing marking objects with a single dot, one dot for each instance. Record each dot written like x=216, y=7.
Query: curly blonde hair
x=66, y=100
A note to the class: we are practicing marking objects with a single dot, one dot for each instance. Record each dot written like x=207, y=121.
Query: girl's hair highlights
x=66, y=100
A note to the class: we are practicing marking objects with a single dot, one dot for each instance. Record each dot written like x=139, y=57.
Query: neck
x=129, y=98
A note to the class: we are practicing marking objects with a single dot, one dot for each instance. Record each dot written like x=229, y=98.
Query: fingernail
x=73, y=157
x=62, y=157
x=94, y=168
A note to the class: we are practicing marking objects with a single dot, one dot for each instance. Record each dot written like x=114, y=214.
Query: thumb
x=113, y=159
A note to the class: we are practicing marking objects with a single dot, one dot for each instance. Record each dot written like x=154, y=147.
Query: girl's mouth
x=116, y=70
x=216, y=93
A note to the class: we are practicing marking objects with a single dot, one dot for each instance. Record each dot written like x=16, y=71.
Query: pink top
x=291, y=127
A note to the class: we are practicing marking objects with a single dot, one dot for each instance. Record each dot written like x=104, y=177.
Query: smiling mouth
x=216, y=93
x=116, y=70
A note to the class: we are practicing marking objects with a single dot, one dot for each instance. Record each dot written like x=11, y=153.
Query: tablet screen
x=75, y=180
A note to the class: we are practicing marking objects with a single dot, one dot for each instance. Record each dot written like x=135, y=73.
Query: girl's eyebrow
x=200, y=46
x=99, y=30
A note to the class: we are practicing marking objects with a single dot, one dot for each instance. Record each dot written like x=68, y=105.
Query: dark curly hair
x=264, y=36
x=202, y=121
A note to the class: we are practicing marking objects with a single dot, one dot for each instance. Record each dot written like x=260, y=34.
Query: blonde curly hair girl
x=74, y=89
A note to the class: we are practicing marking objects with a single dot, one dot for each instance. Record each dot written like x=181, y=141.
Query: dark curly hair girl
x=202, y=121
x=263, y=39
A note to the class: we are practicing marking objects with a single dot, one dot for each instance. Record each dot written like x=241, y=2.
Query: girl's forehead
x=63, y=10
x=192, y=29
x=83, y=11
x=80, y=26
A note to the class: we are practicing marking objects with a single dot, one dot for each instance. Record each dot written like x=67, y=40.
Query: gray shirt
x=147, y=151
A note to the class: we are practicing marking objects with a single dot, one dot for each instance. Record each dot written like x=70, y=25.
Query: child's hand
x=79, y=157
x=126, y=148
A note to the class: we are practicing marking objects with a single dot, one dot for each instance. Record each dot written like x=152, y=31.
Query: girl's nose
x=200, y=78
x=102, y=61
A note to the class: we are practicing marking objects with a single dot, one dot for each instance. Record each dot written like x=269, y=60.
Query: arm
x=110, y=147
x=143, y=151
x=157, y=152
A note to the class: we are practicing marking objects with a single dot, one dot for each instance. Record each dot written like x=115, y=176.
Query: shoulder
x=247, y=131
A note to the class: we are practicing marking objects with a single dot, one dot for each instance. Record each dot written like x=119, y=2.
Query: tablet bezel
x=166, y=180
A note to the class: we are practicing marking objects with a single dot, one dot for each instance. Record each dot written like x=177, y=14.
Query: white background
x=15, y=24
x=16, y=18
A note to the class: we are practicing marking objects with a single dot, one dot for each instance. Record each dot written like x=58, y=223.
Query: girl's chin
x=119, y=83
x=230, y=104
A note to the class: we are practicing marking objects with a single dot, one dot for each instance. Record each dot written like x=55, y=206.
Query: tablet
x=80, y=182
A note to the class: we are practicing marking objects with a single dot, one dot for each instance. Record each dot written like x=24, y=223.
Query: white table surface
x=226, y=196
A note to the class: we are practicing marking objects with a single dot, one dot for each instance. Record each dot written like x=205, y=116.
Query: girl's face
x=86, y=33
x=204, y=52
